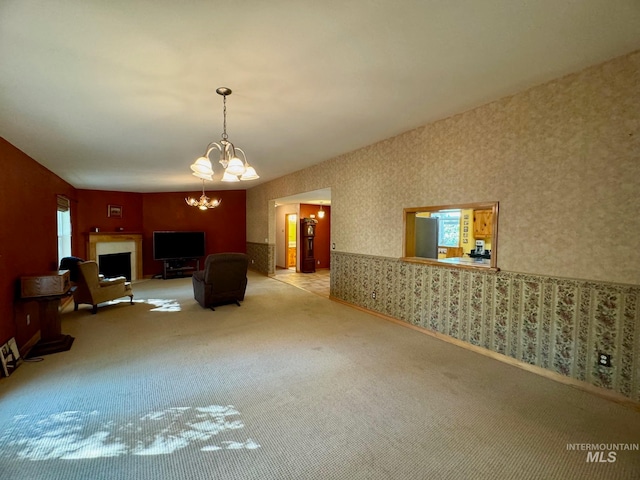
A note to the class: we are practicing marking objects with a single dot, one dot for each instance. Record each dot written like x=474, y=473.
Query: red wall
x=28, y=234
x=225, y=226
x=92, y=213
x=145, y=213
x=322, y=241
x=28, y=229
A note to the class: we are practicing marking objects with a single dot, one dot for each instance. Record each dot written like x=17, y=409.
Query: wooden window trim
x=408, y=237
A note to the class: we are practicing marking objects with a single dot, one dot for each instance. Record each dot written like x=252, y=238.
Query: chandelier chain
x=224, y=116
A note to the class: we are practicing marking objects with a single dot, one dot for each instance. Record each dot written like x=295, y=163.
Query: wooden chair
x=455, y=252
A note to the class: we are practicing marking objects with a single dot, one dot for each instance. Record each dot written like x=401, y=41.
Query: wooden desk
x=52, y=340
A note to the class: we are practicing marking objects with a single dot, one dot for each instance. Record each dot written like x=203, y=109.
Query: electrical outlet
x=604, y=359
x=333, y=246
x=373, y=295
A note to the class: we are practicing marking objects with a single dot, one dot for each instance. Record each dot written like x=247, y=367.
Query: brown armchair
x=223, y=280
x=92, y=288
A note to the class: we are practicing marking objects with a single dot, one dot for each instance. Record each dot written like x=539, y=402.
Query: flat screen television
x=178, y=245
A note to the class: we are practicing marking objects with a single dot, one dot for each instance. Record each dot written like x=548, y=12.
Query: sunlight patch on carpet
x=164, y=305
x=76, y=434
x=161, y=304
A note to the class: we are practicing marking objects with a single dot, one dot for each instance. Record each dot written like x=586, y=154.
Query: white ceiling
x=316, y=197
x=120, y=94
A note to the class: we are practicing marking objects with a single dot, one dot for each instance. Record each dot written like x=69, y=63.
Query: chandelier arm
x=210, y=147
x=243, y=155
x=227, y=152
x=229, y=146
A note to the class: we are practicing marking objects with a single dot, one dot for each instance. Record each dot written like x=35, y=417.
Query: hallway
x=317, y=282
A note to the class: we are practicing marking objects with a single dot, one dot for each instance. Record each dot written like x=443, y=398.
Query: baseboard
x=579, y=384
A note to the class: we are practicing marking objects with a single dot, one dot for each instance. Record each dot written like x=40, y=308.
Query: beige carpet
x=289, y=386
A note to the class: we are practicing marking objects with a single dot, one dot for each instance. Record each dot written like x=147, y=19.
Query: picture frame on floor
x=9, y=357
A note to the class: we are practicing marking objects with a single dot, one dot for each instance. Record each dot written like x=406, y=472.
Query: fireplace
x=115, y=265
x=99, y=244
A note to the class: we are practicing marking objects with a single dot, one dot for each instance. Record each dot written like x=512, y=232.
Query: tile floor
x=317, y=282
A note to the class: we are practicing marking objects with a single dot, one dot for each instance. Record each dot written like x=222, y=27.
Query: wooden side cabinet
x=482, y=223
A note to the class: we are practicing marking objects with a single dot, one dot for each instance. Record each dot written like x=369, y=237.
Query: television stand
x=178, y=267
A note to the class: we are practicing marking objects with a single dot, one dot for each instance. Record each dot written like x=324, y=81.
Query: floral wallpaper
x=563, y=161
x=554, y=323
x=261, y=257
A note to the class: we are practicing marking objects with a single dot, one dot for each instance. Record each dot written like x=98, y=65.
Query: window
x=464, y=235
x=64, y=228
x=448, y=227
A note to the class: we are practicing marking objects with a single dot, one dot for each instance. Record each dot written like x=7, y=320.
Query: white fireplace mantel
x=126, y=242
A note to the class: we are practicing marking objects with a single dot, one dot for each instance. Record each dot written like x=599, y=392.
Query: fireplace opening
x=115, y=265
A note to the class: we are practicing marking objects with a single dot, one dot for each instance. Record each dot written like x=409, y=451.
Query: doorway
x=291, y=240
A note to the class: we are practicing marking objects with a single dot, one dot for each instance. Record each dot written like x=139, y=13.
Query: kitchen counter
x=457, y=262
x=476, y=262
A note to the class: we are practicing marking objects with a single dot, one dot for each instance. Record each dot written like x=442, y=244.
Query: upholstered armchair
x=223, y=280
x=92, y=288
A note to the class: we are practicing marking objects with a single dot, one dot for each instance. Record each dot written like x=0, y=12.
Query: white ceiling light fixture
x=235, y=169
x=203, y=203
x=321, y=211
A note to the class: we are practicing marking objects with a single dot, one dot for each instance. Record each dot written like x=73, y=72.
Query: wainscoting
x=262, y=257
x=554, y=323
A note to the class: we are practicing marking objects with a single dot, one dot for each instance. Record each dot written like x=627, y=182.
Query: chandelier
x=235, y=169
x=203, y=203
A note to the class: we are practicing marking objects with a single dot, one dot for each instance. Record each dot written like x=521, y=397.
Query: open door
x=291, y=239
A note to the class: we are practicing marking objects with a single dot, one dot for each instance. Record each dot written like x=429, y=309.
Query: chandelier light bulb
x=249, y=173
x=321, y=212
x=227, y=177
x=202, y=166
x=236, y=167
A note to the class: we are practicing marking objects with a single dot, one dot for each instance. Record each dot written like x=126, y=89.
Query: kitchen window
x=463, y=235
x=448, y=227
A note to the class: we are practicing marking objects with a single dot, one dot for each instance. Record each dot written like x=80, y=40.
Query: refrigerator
x=426, y=237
